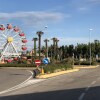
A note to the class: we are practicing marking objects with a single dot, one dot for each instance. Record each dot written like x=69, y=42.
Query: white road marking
x=87, y=88
x=81, y=96
x=93, y=82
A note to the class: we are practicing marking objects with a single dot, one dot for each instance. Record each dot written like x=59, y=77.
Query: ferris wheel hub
x=10, y=39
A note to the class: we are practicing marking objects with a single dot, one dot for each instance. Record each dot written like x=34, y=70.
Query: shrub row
x=17, y=65
x=84, y=63
x=56, y=67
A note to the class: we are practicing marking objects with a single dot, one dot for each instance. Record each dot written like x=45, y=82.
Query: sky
x=68, y=20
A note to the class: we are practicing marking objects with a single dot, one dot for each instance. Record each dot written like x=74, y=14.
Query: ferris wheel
x=12, y=42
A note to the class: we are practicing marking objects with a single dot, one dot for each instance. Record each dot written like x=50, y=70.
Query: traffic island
x=56, y=74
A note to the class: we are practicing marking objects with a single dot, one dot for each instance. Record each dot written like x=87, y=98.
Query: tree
x=39, y=33
x=34, y=39
x=54, y=47
x=46, y=46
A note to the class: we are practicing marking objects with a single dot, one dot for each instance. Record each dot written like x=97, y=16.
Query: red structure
x=9, y=60
x=9, y=26
x=24, y=48
x=16, y=59
x=22, y=34
x=24, y=41
x=2, y=28
x=16, y=29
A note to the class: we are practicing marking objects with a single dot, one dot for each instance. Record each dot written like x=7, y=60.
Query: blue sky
x=68, y=20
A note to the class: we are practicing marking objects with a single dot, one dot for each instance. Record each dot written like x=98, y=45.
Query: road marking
x=93, y=82
x=81, y=96
x=87, y=88
x=17, y=86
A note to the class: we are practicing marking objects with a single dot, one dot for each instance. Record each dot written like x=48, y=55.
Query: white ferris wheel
x=12, y=42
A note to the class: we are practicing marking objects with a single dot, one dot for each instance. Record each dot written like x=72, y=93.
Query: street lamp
x=90, y=30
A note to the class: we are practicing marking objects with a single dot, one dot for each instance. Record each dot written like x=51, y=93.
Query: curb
x=86, y=67
x=57, y=73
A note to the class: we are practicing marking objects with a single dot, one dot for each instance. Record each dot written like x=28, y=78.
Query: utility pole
x=90, y=43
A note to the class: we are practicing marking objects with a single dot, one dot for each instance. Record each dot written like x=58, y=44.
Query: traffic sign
x=45, y=61
x=37, y=62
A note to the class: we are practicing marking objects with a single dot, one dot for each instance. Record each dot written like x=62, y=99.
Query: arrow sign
x=45, y=61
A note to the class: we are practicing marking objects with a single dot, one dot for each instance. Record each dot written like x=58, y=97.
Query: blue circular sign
x=45, y=61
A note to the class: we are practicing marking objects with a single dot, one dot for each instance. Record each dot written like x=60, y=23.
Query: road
x=81, y=85
x=11, y=77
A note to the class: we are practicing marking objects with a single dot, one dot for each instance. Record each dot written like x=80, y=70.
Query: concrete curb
x=76, y=68
x=57, y=73
x=86, y=67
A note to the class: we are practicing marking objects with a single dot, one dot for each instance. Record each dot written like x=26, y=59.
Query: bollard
x=42, y=71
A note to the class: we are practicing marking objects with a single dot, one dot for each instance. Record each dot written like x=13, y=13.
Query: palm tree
x=54, y=45
x=46, y=44
x=35, y=39
x=39, y=33
x=56, y=41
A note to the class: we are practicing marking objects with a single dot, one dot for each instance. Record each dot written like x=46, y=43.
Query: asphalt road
x=81, y=85
x=10, y=77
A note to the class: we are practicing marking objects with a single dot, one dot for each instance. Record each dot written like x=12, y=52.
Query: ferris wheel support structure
x=12, y=42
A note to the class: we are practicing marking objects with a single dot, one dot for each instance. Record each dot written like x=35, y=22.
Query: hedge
x=56, y=67
x=17, y=65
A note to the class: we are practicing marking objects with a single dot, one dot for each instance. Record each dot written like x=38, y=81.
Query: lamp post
x=90, y=43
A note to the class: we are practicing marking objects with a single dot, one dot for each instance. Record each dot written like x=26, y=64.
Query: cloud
x=87, y=5
x=33, y=18
x=83, y=9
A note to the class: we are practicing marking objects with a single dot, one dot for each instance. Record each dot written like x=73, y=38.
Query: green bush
x=67, y=61
x=17, y=65
x=76, y=62
x=54, y=67
x=84, y=63
x=98, y=61
x=88, y=63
